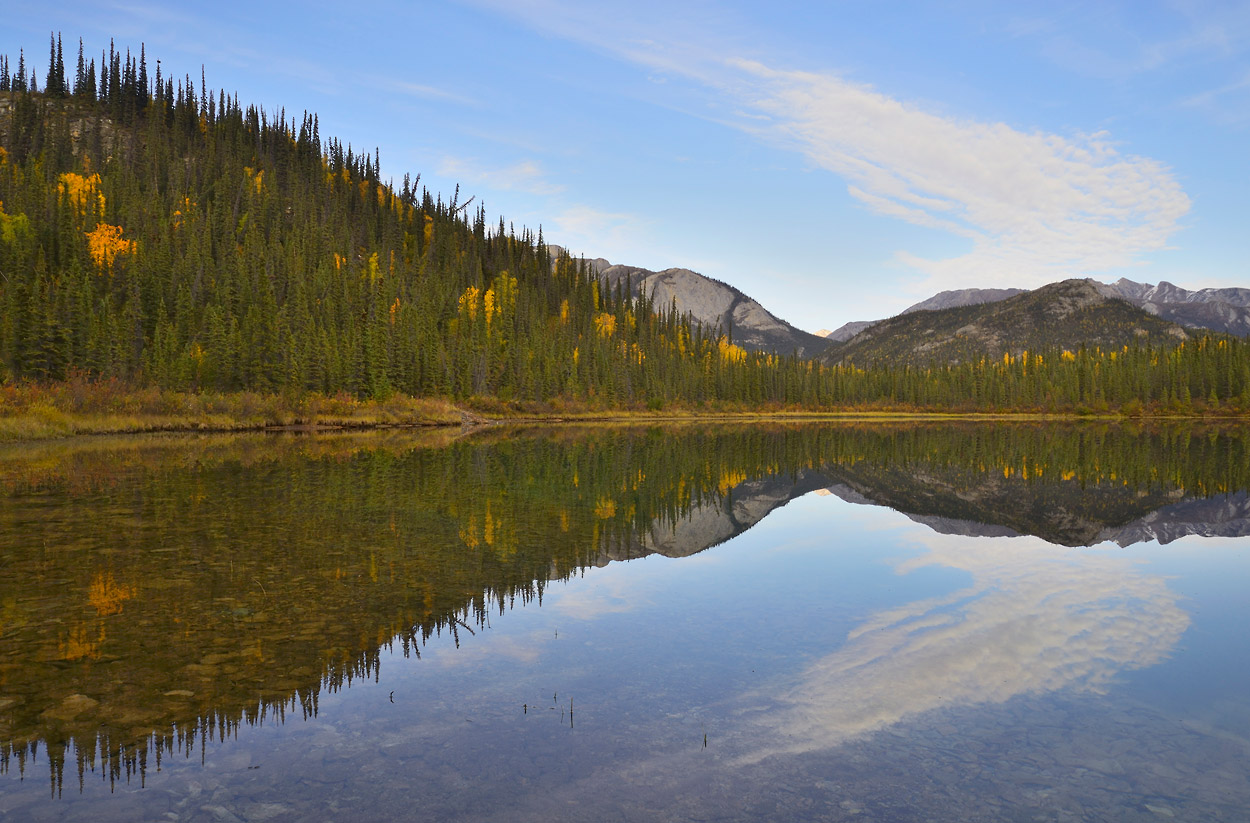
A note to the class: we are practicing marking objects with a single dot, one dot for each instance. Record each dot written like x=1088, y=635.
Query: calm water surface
x=902, y=623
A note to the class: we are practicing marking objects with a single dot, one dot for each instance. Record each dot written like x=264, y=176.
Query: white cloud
x=421, y=91
x=1032, y=206
x=526, y=176
x=1035, y=619
x=1035, y=206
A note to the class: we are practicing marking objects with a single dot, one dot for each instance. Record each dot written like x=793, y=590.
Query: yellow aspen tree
x=105, y=243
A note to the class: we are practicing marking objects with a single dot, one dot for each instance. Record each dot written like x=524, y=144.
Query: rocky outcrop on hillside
x=712, y=303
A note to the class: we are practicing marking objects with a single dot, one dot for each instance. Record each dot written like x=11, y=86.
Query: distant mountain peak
x=1224, y=310
x=1067, y=314
x=712, y=303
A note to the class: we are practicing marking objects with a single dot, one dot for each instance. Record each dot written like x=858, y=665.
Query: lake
x=963, y=622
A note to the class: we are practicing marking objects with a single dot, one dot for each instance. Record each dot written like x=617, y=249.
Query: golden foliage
x=107, y=595
x=82, y=192
x=500, y=298
x=78, y=646
x=105, y=243
x=255, y=178
x=179, y=215
x=729, y=479
x=488, y=303
x=605, y=508
x=468, y=533
x=469, y=301
x=730, y=353
x=605, y=324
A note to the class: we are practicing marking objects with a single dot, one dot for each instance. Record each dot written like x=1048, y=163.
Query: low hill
x=1065, y=315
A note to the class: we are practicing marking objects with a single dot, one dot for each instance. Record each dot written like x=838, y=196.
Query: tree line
x=158, y=231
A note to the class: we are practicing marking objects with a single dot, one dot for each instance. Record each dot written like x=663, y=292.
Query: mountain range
x=1221, y=310
x=1063, y=315
x=988, y=321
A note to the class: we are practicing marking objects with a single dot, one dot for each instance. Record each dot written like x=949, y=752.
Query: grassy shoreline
x=30, y=412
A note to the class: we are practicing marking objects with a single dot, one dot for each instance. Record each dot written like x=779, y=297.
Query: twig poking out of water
x=258, y=583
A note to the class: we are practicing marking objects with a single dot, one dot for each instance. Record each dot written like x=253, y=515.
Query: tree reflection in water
x=158, y=592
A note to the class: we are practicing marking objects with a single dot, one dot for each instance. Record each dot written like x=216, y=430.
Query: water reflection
x=1036, y=618
x=159, y=592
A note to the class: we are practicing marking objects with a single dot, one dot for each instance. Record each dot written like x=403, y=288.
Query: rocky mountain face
x=712, y=303
x=1069, y=313
x=848, y=330
x=942, y=300
x=962, y=297
x=1221, y=310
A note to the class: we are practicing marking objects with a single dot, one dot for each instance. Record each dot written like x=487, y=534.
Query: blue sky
x=837, y=161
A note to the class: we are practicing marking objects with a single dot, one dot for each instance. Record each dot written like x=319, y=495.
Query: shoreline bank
x=248, y=412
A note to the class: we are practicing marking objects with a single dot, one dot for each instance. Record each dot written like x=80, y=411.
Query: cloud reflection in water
x=1036, y=618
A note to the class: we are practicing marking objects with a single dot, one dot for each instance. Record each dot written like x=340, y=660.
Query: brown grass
x=39, y=411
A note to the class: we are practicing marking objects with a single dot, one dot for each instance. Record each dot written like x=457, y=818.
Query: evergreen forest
x=157, y=232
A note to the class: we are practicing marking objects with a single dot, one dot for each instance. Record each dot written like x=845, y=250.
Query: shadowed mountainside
x=1068, y=314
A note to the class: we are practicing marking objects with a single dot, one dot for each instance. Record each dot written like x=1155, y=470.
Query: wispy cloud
x=422, y=91
x=525, y=176
x=1034, y=205
x=1036, y=619
x=1117, y=42
x=1225, y=102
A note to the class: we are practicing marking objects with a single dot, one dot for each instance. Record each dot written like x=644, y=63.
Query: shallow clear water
x=437, y=628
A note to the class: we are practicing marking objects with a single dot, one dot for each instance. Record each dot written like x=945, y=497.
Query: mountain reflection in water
x=158, y=592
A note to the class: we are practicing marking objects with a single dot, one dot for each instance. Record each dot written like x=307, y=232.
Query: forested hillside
x=160, y=233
